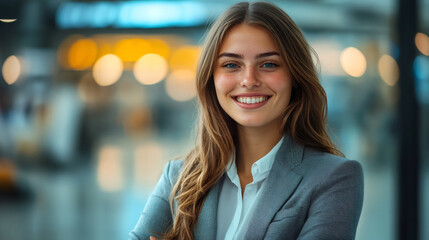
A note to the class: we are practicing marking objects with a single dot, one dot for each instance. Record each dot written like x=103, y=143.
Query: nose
x=250, y=79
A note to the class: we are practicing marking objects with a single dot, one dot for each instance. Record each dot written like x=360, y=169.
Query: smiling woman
x=263, y=166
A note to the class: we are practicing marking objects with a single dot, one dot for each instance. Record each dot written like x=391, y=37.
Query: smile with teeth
x=252, y=100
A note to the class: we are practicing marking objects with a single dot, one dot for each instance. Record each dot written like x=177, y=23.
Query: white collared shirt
x=234, y=210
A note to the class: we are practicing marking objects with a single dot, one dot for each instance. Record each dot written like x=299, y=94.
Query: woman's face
x=253, y=84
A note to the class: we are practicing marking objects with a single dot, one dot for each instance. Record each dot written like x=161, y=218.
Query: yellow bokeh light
x=159, y=47
x=82, y=54
x=109, y=169
x=11, y=69
x=353, y=62
x=388, y=69
x=107, y=70
x=150, y=69
x=148, y=163
x=129, y=50
x=185, y=58
x=64, y=49
x=180, y=85
x=422, y=43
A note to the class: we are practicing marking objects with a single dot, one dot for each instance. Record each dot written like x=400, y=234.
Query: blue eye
x=269, y=65
x=230, y=65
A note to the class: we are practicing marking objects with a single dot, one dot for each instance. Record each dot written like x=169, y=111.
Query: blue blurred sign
x=135, y=14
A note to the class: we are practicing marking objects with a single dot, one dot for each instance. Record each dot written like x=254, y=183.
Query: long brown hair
x=304, y=118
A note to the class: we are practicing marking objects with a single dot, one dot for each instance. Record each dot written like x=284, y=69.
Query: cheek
x=223, y=84
x=282, y=86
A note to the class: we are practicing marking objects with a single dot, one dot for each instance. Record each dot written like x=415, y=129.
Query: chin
x=253, y=123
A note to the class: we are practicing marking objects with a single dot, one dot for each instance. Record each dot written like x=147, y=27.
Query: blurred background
x=96, y=96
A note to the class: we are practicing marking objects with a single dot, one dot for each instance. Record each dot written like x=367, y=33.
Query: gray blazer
x=308, y=195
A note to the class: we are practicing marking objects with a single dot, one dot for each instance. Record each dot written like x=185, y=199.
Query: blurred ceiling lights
x=151, y=60
x=367, y=16
x=7, y=20
x=131, y=14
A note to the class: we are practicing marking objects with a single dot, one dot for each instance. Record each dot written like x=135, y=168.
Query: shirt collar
x=260, y=168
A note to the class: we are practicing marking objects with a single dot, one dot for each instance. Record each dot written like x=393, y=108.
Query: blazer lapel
x=207, y=220
x=278, y=187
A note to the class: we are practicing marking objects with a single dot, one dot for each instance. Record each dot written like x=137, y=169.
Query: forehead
x=246, y=39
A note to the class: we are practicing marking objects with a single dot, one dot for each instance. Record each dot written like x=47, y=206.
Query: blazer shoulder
x=322, y=163
x=172, y=169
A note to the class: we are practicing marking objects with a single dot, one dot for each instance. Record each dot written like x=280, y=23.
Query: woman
x=263, y=166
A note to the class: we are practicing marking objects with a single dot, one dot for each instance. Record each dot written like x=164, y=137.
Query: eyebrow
x=261, y=55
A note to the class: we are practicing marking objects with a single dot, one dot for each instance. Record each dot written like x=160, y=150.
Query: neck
x=253, y=144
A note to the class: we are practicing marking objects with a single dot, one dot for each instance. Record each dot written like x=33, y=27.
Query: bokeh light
x=353, y=62
x=150, y=69
x=422, y=43
x=11, y=69
x=159, y=47
x=109, y=170
x=180, y=85
x=185, y=58
x=130, y=50
x=82, y=54
x=107, y=70
x=388, y=69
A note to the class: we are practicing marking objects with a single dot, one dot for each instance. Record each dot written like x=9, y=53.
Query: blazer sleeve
x=156, y=217
x=336, y=205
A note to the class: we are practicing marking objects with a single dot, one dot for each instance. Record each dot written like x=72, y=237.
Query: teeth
x=251, y=100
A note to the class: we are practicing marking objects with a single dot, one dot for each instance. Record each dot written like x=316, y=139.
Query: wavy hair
x=304, y=117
